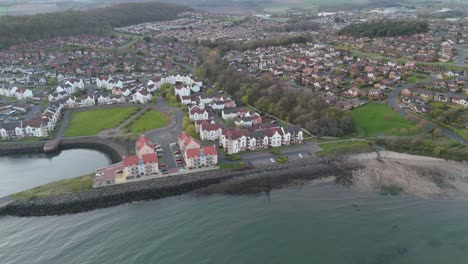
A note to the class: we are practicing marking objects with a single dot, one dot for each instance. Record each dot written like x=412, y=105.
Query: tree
x=437, y=151
x=211, y=91
x=190, y=130
x=52, y=81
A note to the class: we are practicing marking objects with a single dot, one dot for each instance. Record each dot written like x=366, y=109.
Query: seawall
x=12, y=148
x=265, y=178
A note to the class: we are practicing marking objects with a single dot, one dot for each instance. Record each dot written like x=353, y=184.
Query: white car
x=272, y=160
x=99, y=174
x=300, y=155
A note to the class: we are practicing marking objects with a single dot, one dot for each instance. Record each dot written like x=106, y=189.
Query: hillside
x=18, y=29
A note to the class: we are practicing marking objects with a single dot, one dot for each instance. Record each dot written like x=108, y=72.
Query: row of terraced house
x=40, y=126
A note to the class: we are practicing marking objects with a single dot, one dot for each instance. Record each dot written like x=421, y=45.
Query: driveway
x=170, y=133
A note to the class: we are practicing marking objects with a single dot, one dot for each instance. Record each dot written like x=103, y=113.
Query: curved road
x=392, y=99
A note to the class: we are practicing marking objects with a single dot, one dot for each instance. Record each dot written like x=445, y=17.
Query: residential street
x=393, y=103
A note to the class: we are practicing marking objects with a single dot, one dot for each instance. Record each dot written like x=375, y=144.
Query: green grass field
x=380, y=119
x=57, y=188
x=150, y=120
x=463, y=133
x=417, y=78
x=344, y=147
x=92, y=122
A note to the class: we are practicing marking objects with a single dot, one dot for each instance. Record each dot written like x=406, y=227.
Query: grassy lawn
x=345, y=147
x=378, y=119
x=150, y=120
x=416, y=78
x=92, y=122
x=57, y=188
x=463, y=133
x=9, y=99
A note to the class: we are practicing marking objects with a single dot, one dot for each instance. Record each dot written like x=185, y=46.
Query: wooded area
x=19, y=29
x=385, y=28
x=298, y=106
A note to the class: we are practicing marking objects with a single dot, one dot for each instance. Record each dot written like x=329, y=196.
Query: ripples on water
x=320, y=223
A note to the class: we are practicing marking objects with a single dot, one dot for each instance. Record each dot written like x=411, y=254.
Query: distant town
x=180, y=93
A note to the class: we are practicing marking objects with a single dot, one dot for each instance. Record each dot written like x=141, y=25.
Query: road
x=169, y=134
x=392, y=99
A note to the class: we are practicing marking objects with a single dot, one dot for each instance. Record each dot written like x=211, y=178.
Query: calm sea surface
x=318, y=223
x=22, y=172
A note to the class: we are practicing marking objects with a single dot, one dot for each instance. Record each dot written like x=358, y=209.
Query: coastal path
x=133, y=117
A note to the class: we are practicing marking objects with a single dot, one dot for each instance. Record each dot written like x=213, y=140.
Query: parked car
x=300, y=155
x=272, y=160
x=99, y=174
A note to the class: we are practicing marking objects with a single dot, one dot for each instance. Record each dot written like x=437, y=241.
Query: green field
x=344, y=147
x=150, y=120
x=379, y=119
x=57, y=188
x=90, y=123
x=463, y=133
x=417, y=78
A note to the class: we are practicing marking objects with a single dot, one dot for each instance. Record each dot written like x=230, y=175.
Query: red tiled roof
x=182, y=136
x=143, y=92
x=196, y=110
x=131, y=161
x=210, y=150
x=142, y=142
x=271, y=131
x=192, y=153
x=210, y=127
x=150, y=158
x=189, y=140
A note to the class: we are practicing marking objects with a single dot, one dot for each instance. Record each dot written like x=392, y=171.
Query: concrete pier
x=51, y=145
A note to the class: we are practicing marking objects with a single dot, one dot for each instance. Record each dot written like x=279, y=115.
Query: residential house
x=197, y=113
x=142, y=96
x=144, y=163
x=23, y=94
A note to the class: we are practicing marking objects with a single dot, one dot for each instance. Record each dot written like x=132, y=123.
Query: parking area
x=110, y=175
x=170, y=158
x=308, y=149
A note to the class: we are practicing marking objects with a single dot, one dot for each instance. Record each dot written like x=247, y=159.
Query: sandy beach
x=416, y=175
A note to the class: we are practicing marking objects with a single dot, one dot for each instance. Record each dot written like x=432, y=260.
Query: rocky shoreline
x=261, y=179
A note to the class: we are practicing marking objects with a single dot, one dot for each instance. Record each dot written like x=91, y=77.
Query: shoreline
x=263, y=178
x=416, y=175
